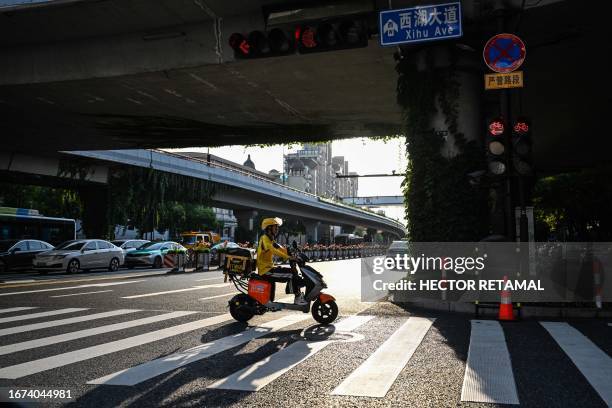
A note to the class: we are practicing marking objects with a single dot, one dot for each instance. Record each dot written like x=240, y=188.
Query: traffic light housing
x=260, y=44
x=305, y=38
x=522, y=147
x=495, y=142
x=331, y=35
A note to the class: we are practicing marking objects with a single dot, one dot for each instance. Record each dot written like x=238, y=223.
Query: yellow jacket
x=266, y=249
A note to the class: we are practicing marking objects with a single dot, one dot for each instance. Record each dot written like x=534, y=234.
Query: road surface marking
x=59, y=281
x=20, y=281
x=263, y=372
x=146, y=371
x=61, y=360
x=41, y=314
x=376, y=375
x=488, y=372
x=207, y=279
x=46, y=341
x=218, y=296
x=82, y=293
x=593, y=363
x=166, y=292
x=90, y=285
x=16, y=309
x=53, y=323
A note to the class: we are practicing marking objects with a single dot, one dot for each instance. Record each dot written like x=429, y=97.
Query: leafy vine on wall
x=441, y=204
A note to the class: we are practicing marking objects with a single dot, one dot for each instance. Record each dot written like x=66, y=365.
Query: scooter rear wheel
x=324, y=313
x=242, y=308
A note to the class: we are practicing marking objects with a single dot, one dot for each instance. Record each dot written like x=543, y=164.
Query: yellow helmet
x=271, y=221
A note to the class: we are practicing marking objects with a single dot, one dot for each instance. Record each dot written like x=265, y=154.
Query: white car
x=72, y=256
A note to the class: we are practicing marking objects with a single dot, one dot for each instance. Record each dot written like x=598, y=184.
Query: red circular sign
x=504, y=52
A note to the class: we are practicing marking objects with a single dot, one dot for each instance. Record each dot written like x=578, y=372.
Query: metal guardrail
x=221, y=165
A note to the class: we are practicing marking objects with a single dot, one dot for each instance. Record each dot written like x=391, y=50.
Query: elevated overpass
x=248, y=194
x=374, y=201
x=114, y=74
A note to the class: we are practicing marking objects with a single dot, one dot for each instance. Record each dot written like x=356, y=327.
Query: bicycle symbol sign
x=504, y=53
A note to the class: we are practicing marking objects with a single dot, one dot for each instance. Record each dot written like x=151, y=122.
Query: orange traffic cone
x=506, y=311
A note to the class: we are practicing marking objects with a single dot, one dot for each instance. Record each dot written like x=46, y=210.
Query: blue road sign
x=419, y=24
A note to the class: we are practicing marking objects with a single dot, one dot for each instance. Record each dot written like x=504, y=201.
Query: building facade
x=314, y=169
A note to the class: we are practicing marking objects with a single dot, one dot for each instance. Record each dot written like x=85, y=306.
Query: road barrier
x=330, y=254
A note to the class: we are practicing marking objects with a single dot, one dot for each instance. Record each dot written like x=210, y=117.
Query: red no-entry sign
x=504, y=52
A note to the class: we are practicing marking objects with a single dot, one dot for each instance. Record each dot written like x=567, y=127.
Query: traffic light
x=329, y=35
x=521, y=147
x=496, y=147
x=258, y=44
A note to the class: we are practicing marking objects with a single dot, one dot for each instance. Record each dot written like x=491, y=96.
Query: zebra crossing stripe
x=41, y=314
x=593, y=363
x=46, y=341
x=61, y=322
x=488, y=372
x=151, y=369
x=167, y=292
x=16, y=309
x=218, y=296
x=375, y=376
x=260, y=374
x=61, y=360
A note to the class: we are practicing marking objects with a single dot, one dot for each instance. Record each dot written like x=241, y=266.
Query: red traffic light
x=521, y=127
x=308, y=37
x=496, y=127
x=239, y=44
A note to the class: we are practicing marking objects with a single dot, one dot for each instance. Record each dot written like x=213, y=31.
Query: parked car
x=19, y=253
x=72, y=256
x=400, y=248
x=151, y=254
x=129, y=245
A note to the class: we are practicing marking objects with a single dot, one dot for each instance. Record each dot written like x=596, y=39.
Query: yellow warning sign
x=504, y=81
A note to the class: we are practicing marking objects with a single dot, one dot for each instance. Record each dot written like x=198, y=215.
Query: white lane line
x=146, y=371
x=19, y=281
x=167, y=292
x=82, y=293
x=16, y=309
x=376, y=375
x=488, y=372
x=46, y=341
x=89, y=285
x=218, y=296
x=61, y=360
x=41, y=314
x=53, y=323
x=260, y=374
x=208, y=279
x=593, y=363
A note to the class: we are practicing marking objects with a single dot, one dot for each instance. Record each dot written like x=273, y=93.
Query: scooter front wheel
x=242, y=308
x=324, y=313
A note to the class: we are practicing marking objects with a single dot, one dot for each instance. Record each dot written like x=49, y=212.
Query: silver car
x=72, y=256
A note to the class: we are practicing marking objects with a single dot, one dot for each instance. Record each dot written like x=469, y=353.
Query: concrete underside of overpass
x=131, y=73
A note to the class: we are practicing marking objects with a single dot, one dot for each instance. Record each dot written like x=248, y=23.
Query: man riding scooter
x=267, y=249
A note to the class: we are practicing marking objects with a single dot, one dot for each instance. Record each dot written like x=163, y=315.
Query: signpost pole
x=505, y=111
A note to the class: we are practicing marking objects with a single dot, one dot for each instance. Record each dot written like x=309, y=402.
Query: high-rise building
x=313, y=169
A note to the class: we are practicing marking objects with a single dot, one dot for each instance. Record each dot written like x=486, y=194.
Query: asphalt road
x=172, y=334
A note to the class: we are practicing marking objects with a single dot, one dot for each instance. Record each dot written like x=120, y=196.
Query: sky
x=365, y=156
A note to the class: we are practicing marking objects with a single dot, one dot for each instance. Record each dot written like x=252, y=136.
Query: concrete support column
x=95, y=211
x=247, y=225
x=313, y=231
